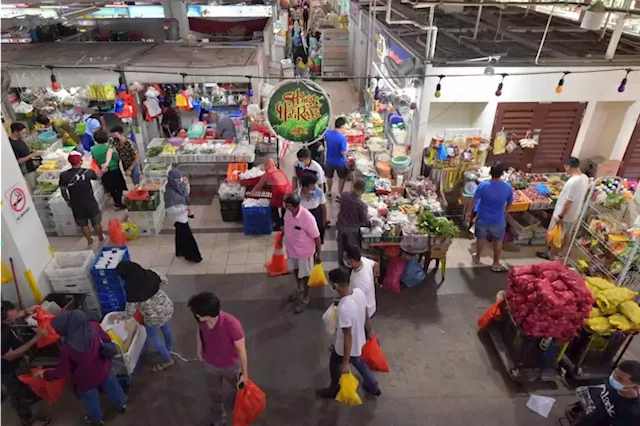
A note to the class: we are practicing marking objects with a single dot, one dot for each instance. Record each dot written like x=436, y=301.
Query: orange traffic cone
x=278, y=264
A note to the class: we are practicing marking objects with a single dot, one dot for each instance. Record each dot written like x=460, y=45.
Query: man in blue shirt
x=336, y=143
x=494, y=197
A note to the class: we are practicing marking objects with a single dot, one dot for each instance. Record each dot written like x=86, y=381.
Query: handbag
x=108, y=350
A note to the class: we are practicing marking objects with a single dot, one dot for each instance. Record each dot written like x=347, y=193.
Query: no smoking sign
x=16, y=197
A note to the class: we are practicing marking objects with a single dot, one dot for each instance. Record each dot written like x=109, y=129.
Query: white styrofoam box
x=73, y=285
x=131, y=357
x=72, y=264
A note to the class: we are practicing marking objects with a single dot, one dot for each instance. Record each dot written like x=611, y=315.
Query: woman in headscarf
x=93, y=123
x=80, y=358
x=176, y=200
x=142, y=287
x=278, y=183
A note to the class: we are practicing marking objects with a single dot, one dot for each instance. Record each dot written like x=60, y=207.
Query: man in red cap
x=75, y=186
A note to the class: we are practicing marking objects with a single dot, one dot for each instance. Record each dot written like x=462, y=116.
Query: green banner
x=299, y=111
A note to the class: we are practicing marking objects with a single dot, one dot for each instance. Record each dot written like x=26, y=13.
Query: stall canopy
x=77, y=64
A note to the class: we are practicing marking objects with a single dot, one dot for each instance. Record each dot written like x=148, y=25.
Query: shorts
x=329, y=169
x=84, y=221
x=496, y=231
x=303, y=266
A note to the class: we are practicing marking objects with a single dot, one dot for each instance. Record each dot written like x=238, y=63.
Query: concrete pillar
x=617, y=32
x=177, y=9
x=584, y=129
x=421, y=117
x=626, y=130
x=23, y=237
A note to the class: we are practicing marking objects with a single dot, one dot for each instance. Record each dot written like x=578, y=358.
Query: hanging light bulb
x=439, y=87
x=250, y=91
x=489, y=70
x=54, y=81
x=500, y=86
x=560, y=85
x=623, y=83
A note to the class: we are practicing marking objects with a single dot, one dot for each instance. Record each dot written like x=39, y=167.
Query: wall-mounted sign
x=299, y=111
x=16, y=198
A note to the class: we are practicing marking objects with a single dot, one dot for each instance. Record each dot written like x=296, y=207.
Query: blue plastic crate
x=257, y=220
x=112, y=306
x=106, y=298
x=101, y=273
x=109, y=283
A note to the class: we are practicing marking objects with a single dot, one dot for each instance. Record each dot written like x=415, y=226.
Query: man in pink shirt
x=220, y=345
x=302, y=239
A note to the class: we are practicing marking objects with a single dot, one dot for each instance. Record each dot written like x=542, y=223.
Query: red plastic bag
x=493, y=313
x=49, y=391
x=394, y=273
x=96, y=167
x=116, y=234
x=43, y=318
x=138, y=317
x=372, y=355
x=250, y=402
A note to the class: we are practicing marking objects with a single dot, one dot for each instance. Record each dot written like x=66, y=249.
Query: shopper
x=307, y=166
x=176, y=201
x=352, y=215
x=354, y=327
x=23, y=154
x=220, y=344
x=142, y=287
x=568, y=207
x=77, y=190
x=170, y=119
x=93, y=123
x=127, y=152
x=302, y=239
x=336, y=161
x=112, y=178
x=20, y=395
x=225, y=127
x=616, y=403
x=364, y=275
x=312, y=198
x=495, y=197
x=277, y=182
x=80, y=358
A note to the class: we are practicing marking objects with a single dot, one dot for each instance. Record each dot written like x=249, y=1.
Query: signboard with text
x=299, y=111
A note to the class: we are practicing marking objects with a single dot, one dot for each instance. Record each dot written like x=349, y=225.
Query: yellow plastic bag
x=608, y=300
x=6, y=274
x=181, y=101
x=554, y=236
x=116, y=339
x=631, y=310
x=599, y=324
x=348, y=393
x=599, y=284
x=621, y=322
x=595, y=312
x=317, y=278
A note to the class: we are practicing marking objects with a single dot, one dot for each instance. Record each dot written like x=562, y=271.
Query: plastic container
x=48, y=136
x=75, y=264
x=231, y=210
x=100, y=273
x=521, y=206
x=401, y=162
x=522, y=223
x=257, y=220
x=132, y=355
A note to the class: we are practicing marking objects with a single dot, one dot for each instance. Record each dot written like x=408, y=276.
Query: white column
x=584, y=129
x=617, y=32
x=421, y=116
x=23, y=237
x=626, y=130
x=177, y=9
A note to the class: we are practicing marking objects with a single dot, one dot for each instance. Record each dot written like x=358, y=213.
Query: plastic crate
x=74, y=264
x=73, y=285
x=151, y=204
x=102, y=273
x=523, y=223
x=112, y=307
x=590, y=349
x=257, y=220
x=520, y=207
x=132, y=355
x=110, y=283
x=108, y=298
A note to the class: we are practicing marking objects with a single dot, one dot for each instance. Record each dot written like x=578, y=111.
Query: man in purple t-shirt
x=220, y=344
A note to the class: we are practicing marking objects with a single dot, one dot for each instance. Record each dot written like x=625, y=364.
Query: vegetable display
x=434, y=226
x=548, y=300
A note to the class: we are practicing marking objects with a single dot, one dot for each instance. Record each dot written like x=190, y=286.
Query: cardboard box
x=599, y=166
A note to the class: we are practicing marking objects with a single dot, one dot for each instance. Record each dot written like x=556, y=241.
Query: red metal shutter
x=630, y=167
x=557, y=134
x=516, y=118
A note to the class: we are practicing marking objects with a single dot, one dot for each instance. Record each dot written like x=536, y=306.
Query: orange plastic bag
x=49, y=391
x=43, y=318
x=492, y=314
x=372, y=355
x=250, y=402
x=116, y=234
x=96, y=167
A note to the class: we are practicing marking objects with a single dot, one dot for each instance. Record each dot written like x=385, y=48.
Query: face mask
x=615, y=384
x=301, y=164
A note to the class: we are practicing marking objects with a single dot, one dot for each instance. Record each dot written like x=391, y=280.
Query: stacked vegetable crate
x=335, y=52
x=108, y=284
x=149, y=214
x=70, y=273
x=257, y=220
x=522, y=225
x=64, y=221
x=43, y=209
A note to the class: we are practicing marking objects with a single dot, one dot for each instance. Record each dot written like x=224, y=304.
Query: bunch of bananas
x=169, y=149
x=48, y=165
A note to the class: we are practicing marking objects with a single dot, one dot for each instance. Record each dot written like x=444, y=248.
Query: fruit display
x=538, y=202
x=519, y=197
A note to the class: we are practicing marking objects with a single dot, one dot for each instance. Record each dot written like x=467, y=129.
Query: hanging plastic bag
x=49, y=391
x=348, y=393
x=414, y=274
x=96, y=167
x=317, y=278
x=499, y=143
x=330, y=319
x=394, y=273
x=116, y=234
x=43, y=318
x=511, y=146
x=554, y=236
x=493, y=313
x=441, y=153
x=250, y=403
x=372, y=355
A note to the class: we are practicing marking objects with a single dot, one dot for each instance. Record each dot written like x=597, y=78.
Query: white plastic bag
x=330, y=319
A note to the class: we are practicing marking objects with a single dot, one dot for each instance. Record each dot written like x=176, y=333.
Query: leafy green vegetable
x=434, y=226
x=154, y=152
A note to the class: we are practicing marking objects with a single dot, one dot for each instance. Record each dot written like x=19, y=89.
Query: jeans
x=335, y=362
x=135, y=174
x=163, y=348
x=215, y=378
x=91, y=398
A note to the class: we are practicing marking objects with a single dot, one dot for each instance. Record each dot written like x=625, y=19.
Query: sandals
x=499, y=269
x=301, y=306
x=162, y=366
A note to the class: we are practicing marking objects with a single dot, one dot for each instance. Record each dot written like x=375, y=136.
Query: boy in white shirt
x=354, y=326
x=307, y=166
x=364, y=275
